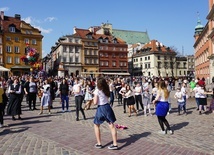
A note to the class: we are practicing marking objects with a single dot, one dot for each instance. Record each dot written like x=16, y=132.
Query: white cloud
x=28, y=20
x=34, y=23
x=43, y=30
x=50, y=19
x=4, y=9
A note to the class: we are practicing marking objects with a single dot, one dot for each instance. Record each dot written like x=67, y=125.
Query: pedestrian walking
x=104, y=113
x=77, y=91
x=14, y=105
x=64, y=91
x=162, y=107
x=46, y=97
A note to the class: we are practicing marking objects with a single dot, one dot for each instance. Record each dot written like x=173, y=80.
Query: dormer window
x=12, y=29
x=101, y=40
x=115, y=40
x=89, y=36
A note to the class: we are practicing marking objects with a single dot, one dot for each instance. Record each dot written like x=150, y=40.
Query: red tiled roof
x=11, y=20
x=83, y=32
x=154, y=45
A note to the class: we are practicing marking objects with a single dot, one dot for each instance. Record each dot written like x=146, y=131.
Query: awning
x=3, y=69
x=20, y=67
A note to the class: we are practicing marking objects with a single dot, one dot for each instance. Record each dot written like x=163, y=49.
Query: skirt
x=202, y=101
x=104, y=113
x=162, y=108
x=130, y=100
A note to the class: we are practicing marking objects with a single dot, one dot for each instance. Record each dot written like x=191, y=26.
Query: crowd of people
x=149, y=95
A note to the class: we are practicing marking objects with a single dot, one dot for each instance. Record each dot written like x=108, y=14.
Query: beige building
x=66, y=57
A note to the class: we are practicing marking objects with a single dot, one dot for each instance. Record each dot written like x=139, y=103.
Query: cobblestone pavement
x=60, y=134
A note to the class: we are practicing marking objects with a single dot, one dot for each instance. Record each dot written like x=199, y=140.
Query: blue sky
x=171, y=22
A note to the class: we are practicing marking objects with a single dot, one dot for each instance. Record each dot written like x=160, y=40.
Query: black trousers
x=162, y=120
x=78, y=103
x=32, y=98
x=138, y=100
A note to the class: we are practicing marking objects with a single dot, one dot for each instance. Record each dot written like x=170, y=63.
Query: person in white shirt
x=203, y=99
x=77, y=91
x=162, y=107
x=197, y=95
x=104, y=113
x=154, y=93
x=138, y=96
x=122, y=93
x=180, y=100
x=130, y=100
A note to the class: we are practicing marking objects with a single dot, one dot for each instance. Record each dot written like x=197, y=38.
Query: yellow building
x=16, y=37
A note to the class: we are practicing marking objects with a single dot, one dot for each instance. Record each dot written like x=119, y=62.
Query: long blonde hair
x=162, y=86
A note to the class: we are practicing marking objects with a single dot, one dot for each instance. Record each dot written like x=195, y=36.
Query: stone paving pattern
x=60, y=133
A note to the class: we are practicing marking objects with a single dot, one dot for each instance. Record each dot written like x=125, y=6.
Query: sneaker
x=63, y=111
x=112, y=147
x=162, y=132
x=49, y=113
x=97, y=146
x=170, y=132
x=40, y=113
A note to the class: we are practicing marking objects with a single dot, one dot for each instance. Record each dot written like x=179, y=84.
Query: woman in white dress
x=46, y=97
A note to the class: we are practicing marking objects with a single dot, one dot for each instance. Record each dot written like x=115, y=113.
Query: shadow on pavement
x=179, y=125
x=132, y=139
x=28, y=122
x=13, y=130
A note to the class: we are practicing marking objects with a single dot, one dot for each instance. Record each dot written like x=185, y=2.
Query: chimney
x=74, y=30
x=18, y=16
x=2, y=15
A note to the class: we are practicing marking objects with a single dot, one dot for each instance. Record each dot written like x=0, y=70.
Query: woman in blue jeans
x=64, y=91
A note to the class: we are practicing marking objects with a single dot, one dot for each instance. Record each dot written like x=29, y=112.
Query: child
x=180, y=100
x=146, y=102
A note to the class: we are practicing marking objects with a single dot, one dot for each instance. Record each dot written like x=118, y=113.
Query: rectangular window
x=64, y=59
x=1, y=60
x=33, y=41
x=76, y=50
x=158, y=57
x=180, y=72
x=16, y=39
x=0, y=40
x=64, y=48
x=8, y=49
x=70, y=49
x=16, y=49
x=121, y=64
x=76, y=59
x=145, y=58
x=9, y=59
x=106, y=63
x=148, y=57
x=8, y=38
x=26, y=41
x=125, y=64
x=17, y=60
x=71, y=59
x=149, y=66
x=0, y=50
x=114, y=63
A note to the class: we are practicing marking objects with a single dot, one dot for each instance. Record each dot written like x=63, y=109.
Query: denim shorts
x=104, y=113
